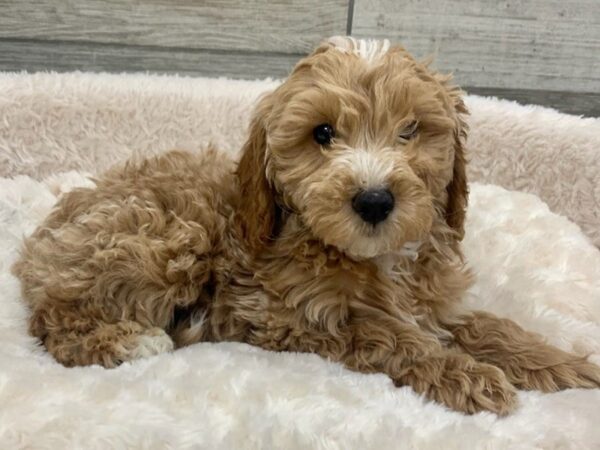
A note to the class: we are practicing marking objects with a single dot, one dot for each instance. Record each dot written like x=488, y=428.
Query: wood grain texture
x=255, y=25
x=514, y=44
x=537, y=51
x=32, y=56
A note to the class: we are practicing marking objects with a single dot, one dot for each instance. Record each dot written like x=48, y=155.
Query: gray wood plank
x=518, y=44
x=256, y=25
x=32, y=56
x=16, y=55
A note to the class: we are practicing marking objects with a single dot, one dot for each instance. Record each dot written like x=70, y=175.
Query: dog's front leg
x=413, y=357
x=529, y=363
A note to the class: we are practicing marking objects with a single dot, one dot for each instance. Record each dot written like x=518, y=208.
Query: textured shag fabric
x=533, y=266
x=51, y=122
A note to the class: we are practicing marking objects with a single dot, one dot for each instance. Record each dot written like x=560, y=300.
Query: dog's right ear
x=458, y=191
x=256, y=210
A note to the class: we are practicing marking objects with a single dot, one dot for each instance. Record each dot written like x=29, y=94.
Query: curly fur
x=184, y=248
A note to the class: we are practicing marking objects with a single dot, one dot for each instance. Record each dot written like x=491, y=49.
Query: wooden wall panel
x=255, y=25
x=68, y=56
x=533, y=51
x=515, y=44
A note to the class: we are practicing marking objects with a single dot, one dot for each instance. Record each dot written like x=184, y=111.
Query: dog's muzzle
x=374, y=205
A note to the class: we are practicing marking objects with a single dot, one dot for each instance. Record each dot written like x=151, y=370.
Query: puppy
x=338, y=233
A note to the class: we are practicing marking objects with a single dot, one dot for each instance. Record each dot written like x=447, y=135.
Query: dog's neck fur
x=292, y=237
x=300, y=274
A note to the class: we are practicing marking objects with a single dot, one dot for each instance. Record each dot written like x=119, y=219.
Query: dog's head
x=364, y=143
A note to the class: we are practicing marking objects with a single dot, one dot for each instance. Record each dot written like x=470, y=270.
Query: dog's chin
x=345, y=231
x=360, y=245
x=366, y=248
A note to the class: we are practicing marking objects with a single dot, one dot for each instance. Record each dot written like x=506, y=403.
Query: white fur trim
x=150, y=345
x=368, y=49
x=411, y=250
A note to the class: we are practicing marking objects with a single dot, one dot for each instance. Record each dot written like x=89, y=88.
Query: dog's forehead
x=368, y=49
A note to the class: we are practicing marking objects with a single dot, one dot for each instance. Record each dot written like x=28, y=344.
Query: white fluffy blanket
x=533, y=266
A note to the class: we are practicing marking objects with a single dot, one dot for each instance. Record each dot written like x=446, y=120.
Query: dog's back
x=105, y=271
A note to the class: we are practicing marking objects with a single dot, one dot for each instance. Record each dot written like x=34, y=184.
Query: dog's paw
x=576, y=372
x=152, y=342
x=108, y=344
x=489, y=390
x=462, y=384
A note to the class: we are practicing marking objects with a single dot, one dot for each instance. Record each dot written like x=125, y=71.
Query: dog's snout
x=374, y=205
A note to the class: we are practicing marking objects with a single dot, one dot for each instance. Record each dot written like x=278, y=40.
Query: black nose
x=373, y=205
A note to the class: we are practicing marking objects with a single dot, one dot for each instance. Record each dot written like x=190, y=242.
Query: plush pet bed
x=534, y=266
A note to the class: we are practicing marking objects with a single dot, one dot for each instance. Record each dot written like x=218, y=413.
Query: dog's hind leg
x=528, y=362
x=104, y=297
x=107, y=344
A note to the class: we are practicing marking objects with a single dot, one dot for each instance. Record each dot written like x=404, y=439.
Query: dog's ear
x=257, y=210
x=457, y=190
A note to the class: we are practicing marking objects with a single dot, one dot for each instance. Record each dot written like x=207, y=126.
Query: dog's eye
x=323, y=134
x=409, y=131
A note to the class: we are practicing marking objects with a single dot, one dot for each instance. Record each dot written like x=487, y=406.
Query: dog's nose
x=373, y=206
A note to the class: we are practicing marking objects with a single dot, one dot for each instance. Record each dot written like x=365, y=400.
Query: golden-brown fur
x=184, y=248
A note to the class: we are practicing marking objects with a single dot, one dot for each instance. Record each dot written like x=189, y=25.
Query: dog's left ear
x=457, y=190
